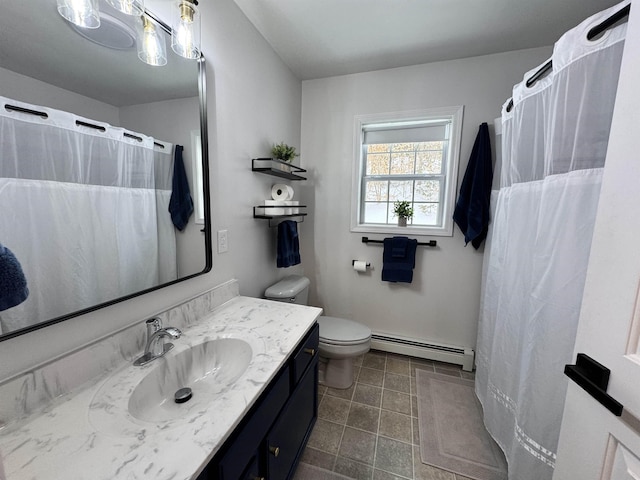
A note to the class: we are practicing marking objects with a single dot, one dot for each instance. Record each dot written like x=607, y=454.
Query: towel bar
x=430, y=243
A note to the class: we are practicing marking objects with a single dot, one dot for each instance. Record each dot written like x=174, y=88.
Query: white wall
x=442, y=302
x=173, y=121
x=253, y=101
x=29, y=90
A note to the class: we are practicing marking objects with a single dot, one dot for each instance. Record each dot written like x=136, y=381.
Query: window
x=411, y=156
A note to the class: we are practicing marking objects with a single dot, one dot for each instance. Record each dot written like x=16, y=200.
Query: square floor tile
x=399, y=383
x=396, y=401
x=318, y=458
x=398, y=365
x=345, y=393
x=363, y=417
x=358, y=445
x=394, y=457
x=371, y=376
x=334, y=409
x=353, y=469
x=374, y=360
x=326, y=436
x=381, y=475
x=396, y=426
x=368, y=394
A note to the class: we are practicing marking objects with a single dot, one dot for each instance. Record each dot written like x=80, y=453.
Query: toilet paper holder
x=353, y=262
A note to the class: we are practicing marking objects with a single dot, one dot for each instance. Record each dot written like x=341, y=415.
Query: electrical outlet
x=222, y=241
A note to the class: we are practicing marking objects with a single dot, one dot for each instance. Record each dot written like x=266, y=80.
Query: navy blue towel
x=396, y=267
x=181, y=203
x=473, y=205
x=288, y=244
x=13, y=284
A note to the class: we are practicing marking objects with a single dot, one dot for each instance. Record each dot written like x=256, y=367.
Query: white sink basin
x=145, y=396
x=208, y=369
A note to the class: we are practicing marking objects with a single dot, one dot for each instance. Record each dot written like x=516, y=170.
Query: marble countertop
x=89, y=434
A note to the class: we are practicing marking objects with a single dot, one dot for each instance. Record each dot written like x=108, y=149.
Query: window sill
x=409, y=230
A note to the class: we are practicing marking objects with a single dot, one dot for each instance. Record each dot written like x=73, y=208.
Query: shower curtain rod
x=602, y=27
x=37, y=113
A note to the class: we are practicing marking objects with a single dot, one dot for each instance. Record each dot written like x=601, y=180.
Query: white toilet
x=341, y=340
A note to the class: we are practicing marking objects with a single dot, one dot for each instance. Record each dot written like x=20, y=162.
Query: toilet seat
x=342, y=332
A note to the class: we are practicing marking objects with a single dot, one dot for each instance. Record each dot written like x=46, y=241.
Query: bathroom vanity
x=93, y=415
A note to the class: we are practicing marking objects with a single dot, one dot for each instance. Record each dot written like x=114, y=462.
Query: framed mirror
x=97, y=148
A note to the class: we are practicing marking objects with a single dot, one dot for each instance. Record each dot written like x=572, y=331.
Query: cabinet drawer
x=244, y=446
x=305, y=354
x=287, y=438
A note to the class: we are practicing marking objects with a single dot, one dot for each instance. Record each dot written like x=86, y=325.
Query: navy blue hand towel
x=398, y=268
x=181, y=203
x=288, y=244
x=13, y=284
x=473, y=205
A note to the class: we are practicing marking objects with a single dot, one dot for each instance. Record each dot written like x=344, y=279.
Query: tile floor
x=370, y=431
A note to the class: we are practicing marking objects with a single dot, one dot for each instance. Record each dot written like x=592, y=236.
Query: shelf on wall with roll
x=286, y=209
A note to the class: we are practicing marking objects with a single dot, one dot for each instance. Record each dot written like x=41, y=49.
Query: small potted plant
x=402, y=210
x=284, y=152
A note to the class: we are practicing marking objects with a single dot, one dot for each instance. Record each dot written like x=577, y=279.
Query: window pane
x=429, y=162
x=430, y=145
x=378, y=164
x=427, y=191
x=402, y=163
x=375, y=212
x=403, y=147
x=425, y=213
x=378, y=148
x=400, y=190
x=376, y=191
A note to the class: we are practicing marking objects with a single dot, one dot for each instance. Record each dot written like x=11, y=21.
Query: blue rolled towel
x=13, y=284
x=181, y=203
x=288, y=244
x=396, y=268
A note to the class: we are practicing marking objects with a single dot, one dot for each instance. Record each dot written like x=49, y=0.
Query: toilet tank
x=291, y=289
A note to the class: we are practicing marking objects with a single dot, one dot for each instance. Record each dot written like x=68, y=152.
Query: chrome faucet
x=156, y=346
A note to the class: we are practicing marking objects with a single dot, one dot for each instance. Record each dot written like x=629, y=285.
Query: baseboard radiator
x=421, y=349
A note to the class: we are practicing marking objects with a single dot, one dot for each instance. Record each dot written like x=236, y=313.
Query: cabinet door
x=244, y=446
x=287, y=438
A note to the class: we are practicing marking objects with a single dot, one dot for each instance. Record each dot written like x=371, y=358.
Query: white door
x=594, y=443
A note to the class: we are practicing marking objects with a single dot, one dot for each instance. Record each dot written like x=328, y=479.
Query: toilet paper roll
x=360, y=266
x=281, y=191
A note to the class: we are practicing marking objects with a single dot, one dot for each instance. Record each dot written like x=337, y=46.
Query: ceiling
x=322, y=38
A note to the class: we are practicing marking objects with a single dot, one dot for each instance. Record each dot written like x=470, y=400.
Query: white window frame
x=454, y=114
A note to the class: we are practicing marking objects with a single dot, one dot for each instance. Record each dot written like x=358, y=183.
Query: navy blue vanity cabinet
x=269, y=441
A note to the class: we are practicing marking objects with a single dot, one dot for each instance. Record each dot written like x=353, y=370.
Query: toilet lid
x=340, y=331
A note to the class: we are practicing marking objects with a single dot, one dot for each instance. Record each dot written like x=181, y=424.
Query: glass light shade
x=83, y=13
x=185, y=34
x=130, y=7
x=152, y=48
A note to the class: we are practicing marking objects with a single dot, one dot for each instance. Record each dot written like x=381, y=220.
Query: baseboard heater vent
x=431, y=351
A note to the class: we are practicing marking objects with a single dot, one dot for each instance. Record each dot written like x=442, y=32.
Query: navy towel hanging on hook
x=472, y=208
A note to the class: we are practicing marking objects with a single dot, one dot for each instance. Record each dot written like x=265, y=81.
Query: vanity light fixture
x=130, y=7
x=185, y=35
x=83, y=13
x=152, y=48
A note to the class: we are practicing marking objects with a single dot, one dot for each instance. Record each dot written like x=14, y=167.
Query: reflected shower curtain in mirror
x=554, y=142
x=85, y=210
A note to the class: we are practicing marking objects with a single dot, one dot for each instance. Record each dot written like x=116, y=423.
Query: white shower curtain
x=84, y=210
x=553, y=147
